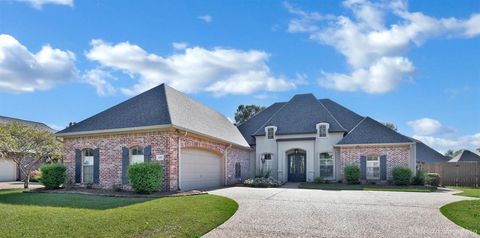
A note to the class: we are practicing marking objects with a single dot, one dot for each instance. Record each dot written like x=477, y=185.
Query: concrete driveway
x=291, y=212
x=17, y=184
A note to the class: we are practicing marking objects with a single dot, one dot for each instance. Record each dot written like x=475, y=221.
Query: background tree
x=245, y=112
x=478, y=150
x=390, y=125
x=452, y=153
x=27, y=146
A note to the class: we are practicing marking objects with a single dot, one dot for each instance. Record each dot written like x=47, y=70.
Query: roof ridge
x=275, y=113
x=355, y=127
x=334, y=118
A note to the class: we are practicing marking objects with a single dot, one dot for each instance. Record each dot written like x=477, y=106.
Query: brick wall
x=162, y=143
x=396, y=155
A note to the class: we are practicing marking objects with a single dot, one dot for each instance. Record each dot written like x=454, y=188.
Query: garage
x=8, y=170
x=200, y=169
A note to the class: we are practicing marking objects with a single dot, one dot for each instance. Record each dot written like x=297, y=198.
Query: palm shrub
x=432, y=179
x=53, y=175
x=145, y=177
x=352, y=174
x=401, y=175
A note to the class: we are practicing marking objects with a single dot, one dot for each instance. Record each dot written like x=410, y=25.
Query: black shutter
x=125, y=163
x=96, y=166
x=147, y=154
x=78, y=166
x=383, y=167
x=363, y=167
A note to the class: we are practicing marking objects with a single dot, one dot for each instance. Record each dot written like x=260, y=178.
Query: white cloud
x=433, y=133
x=368, y=43
x=426, y=126
x=24, y=71
x=219, y=71
x=38, y=4
x=98, y=79
x=180, y=45
x=206, y=18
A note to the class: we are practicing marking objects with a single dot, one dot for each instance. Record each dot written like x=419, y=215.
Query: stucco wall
x=396, y=155
x=163, y=143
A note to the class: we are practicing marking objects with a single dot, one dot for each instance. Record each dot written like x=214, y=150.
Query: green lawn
x=366, y=187
x=468, y=191
x=464, y=213
x=71, y=215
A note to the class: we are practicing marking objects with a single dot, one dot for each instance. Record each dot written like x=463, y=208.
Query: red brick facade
x=397, y=155
x=162, y=142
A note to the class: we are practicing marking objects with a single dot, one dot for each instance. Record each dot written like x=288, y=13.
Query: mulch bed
x=111, y=193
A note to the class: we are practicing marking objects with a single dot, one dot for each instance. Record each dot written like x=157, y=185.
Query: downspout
x=225, y=163
x=178, y=159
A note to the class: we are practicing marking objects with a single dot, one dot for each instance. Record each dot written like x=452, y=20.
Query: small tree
x=27, y=146
x=391, y=126
x=245, y=112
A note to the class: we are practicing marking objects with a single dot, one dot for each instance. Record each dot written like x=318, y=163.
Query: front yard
x=465, y=213
x=72, y=215
x=366, y=187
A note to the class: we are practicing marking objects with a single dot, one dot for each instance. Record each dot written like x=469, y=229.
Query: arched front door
x=297, y=165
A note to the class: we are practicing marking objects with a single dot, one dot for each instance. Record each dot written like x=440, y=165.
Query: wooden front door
x=297, y=167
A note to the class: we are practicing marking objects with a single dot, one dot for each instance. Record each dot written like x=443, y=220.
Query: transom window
x=271, y=133
x=327, y=165
x=136, y=155
x=373, y=167
x=267, y=162
x=87, y=166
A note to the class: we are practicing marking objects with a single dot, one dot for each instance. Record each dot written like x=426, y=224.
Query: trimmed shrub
x=145, y=177
x=262, y=182
x=53, y=175
x=401, y=175
x=318, y=180
x=352, y=174
x=419, y=178
x=432, y=179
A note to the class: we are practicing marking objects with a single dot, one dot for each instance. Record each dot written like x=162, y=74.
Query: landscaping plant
x=352, y=174
x=401, y=175
x=432, y=179
x=53, y=175
x=419, y=178
x=145, y=177
x=262, y=182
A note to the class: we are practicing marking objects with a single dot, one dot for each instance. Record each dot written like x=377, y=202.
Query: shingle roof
x=369, y=131
x=300, y=116
x=426, y=154
x=158, y=106
x=465, y=155
x=347, y=118
x=38, y=125
x=249, y=127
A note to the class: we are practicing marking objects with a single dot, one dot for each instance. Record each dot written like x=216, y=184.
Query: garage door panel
x=8, y=170
x=199, y=169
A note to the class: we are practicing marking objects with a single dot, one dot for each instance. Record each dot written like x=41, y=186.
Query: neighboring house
x=306, y=138
x=426, y=155
x=197, y=146
x=465, y=155
x=9, y=171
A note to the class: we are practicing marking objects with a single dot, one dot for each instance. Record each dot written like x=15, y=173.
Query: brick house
x=197, y=146
x=306, y=138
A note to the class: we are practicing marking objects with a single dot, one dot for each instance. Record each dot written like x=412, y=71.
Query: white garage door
x=8, y=170
x=199, y=169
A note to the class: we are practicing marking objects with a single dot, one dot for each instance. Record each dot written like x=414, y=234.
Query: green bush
x=53, y=175
x=145, y=177
x=318, y=180
x=432, y=179
x=401, y=175
x=419, y=178
x=352, y=174
x=262, y=182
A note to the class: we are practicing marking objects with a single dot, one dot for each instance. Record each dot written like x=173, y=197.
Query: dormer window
x=270, y=131
x=322, y=129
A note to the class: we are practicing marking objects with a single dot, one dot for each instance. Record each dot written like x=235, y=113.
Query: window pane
x=88, y=174
x=373, y=167
x=137, y=159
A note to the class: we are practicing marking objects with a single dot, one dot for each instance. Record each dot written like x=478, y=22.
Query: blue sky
x=415, y=64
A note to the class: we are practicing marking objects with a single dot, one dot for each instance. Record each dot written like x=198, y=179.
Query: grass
x=366, y=187
x=71, y=215
x=467, y=191
x=464, y=213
